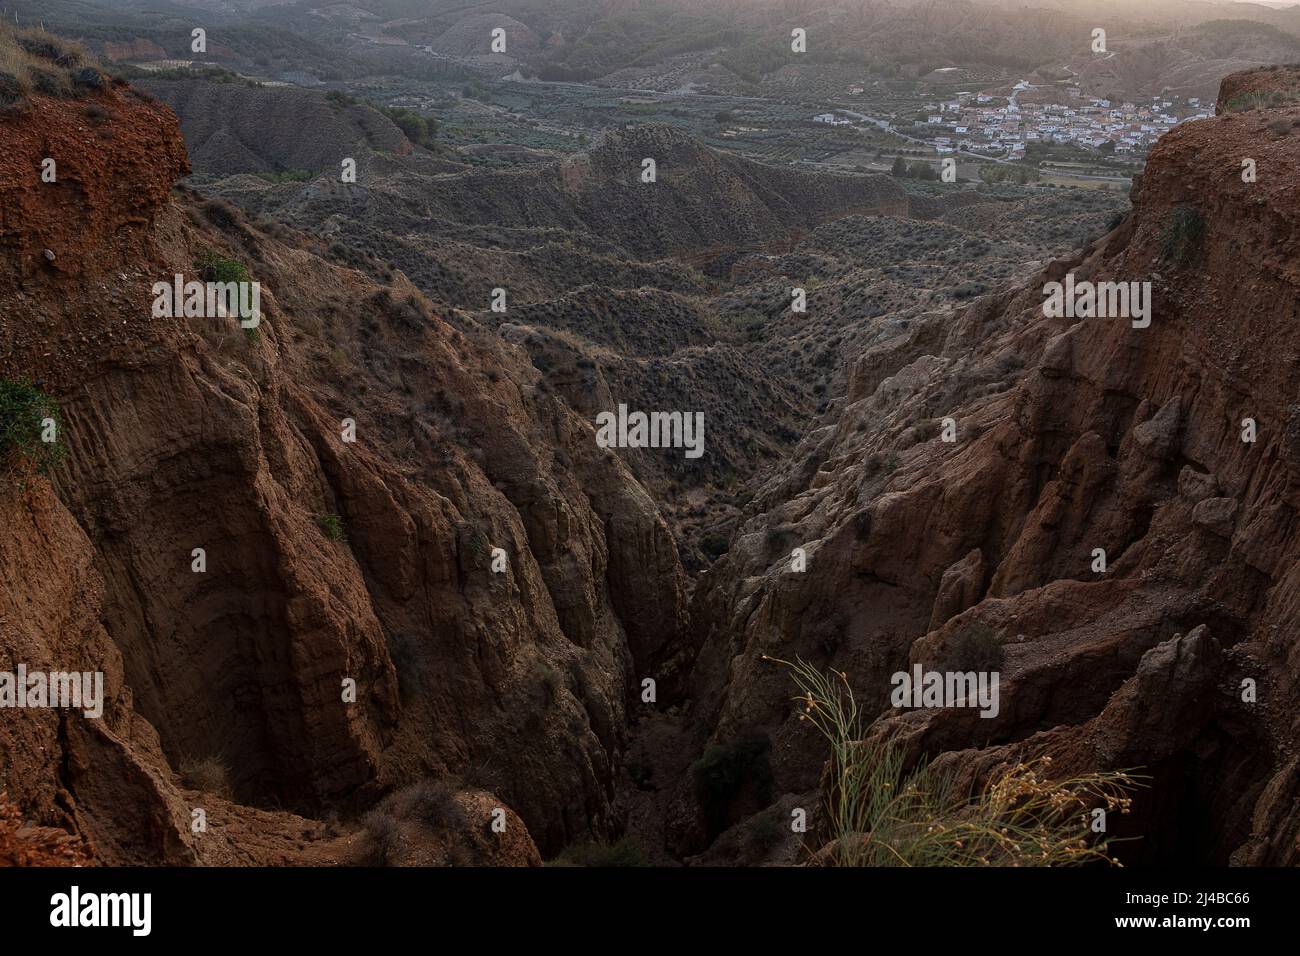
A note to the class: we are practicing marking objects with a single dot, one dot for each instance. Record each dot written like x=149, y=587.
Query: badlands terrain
x=499, y=588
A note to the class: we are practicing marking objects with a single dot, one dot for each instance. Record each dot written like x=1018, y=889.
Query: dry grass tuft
x=33, y=61
x=883, y=814
x=209, y=774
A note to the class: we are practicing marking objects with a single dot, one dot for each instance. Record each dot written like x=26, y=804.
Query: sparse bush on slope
x=419, y=129
x=331, y=526
x=27, y=417
x=620, y=854
x=216, y=268
x=32, y=61
x=209, y=774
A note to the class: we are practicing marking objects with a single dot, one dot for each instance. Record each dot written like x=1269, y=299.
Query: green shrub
x=1182, y=235
x=622, y=853
x=419, y=129
x=474, y=541
x=52, y=83
x=24, y=413
x=1007, y=173
x=332, y=527
x=714, y=545
x=338, y=99
x=215, y=268
x=11, y=89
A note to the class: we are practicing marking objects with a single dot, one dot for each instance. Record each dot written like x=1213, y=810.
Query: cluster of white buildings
x=1002, y=127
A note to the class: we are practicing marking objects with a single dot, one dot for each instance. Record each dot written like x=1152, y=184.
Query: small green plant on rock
x=31, y=425
x=215, y=268
x=332, y=527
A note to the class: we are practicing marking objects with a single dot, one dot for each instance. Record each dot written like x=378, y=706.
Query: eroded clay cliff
x=1071, y=435
x=326, y=559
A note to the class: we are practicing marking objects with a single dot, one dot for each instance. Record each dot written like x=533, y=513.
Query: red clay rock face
x=194, y=433
x=24, y=845
x=104, y=778
x=1073, y=435
x=133, y=50
x=116, y=156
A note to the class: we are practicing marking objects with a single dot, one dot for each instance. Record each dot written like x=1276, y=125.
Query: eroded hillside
x=671, y=293
x=498, y=586
x=325, y=560
x=1071, y=435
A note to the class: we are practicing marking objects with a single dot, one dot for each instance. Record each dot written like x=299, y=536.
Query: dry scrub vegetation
x=882, y=812
x=32, y=61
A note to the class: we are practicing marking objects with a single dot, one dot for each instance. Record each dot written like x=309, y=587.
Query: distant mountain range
x=1187, y=46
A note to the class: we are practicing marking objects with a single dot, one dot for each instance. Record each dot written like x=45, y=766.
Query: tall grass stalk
x=880, y=813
